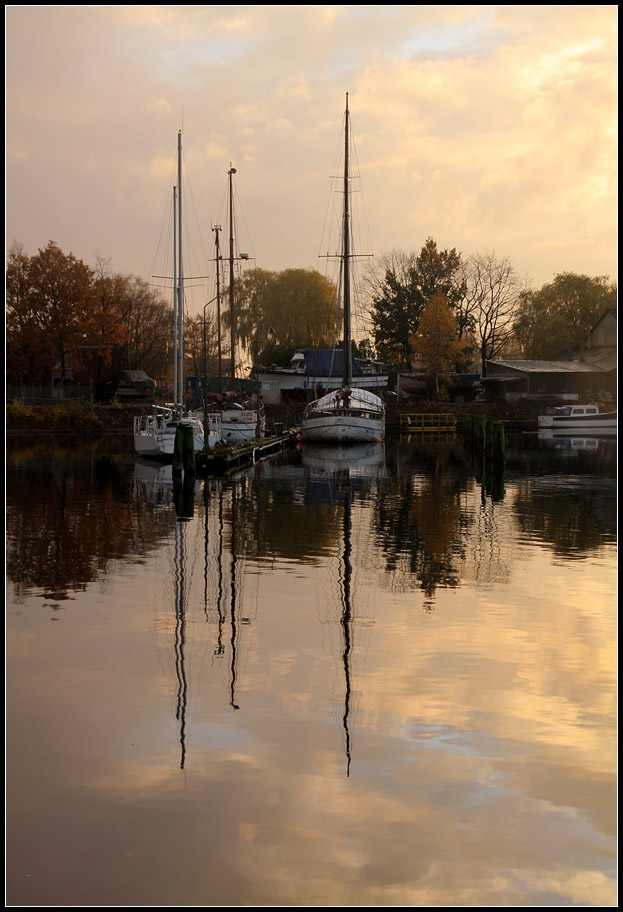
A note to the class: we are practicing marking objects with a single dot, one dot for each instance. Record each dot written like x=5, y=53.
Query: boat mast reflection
x=346, y=617
x=337, y=465
x=234, y=634
x=180, y=632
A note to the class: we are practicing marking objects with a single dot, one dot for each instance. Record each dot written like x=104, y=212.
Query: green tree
x=561, y=314
x=278, y=312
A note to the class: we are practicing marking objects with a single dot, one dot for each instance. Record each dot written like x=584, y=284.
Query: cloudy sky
x=488, y=128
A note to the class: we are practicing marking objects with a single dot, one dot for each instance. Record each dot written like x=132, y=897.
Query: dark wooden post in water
x=485, y=442
x=184, y=450
x=494, y=441
x=184, y=497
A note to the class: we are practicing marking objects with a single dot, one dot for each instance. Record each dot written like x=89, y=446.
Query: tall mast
x=231, y=173
x=180, y=309
x=347, y=354
x=175, y=299
x=216, y=230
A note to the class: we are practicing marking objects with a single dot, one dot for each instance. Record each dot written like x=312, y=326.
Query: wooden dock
x=231, y=458
x=426, y=423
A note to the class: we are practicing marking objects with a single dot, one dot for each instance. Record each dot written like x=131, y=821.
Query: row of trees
x=433, y=307
x=59, y=311
x=448, y=311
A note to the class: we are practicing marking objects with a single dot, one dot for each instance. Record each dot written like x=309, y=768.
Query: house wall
x=605, y=333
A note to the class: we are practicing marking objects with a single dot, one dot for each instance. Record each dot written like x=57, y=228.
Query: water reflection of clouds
x=483, y=745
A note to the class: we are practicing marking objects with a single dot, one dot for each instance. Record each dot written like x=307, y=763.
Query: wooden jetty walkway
x=231, y=458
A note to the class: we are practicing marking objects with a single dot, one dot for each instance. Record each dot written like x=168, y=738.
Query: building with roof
x=315, y=371
x=586, y=372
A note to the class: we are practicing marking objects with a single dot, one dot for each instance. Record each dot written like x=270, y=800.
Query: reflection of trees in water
x=436, y=525
x=69, y=513
x=282, y=518
x=486, y=552
x=418, y=520
x=574, y=518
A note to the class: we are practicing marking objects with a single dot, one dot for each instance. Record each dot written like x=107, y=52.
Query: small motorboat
x=579, y=419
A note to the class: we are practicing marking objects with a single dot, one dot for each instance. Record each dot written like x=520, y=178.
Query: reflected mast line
x=346, y=618
x=234, y=633
x=180, y=636
x=220, y=649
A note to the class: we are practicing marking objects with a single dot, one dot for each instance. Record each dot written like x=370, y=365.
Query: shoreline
x=93, y=420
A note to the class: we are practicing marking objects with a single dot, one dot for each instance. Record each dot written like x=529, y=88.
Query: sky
x=487, y=128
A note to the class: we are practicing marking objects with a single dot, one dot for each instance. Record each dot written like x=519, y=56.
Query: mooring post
x=184, y=498
x=190, y=467
x=184, y=450
x=178, y=452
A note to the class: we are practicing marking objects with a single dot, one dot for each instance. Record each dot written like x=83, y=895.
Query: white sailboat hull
x=240, y=425
x=154, y=435
x=360, y=418
x=343, y=428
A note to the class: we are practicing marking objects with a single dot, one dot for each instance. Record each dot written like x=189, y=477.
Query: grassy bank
x=86, y=418
x=70, y=418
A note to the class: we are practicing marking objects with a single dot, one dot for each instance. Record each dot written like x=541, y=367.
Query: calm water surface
x=343, y=677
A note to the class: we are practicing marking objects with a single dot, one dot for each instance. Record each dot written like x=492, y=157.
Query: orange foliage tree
x=436, y=341
x=58, y=310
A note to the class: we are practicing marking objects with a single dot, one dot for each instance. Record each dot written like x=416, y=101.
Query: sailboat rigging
x=154, y=433
x=238, y=421
x=347, y=415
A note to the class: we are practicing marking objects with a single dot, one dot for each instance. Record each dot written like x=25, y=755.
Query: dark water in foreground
x=350, y=678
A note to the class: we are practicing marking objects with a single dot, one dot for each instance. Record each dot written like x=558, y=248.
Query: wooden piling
x=184, y=450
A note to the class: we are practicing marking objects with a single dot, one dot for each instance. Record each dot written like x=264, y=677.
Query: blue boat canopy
x=325, y=362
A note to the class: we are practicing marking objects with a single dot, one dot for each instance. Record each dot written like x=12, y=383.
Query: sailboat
x=347, y=415
x=238, y=421
x=154, y=433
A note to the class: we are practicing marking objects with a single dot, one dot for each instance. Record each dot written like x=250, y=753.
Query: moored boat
x=346, y=415
x=154, y=433
x=580, y=419
x=246, y=420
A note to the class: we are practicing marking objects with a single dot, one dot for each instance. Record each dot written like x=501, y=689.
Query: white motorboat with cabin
x=346, y=415
x=585, y=420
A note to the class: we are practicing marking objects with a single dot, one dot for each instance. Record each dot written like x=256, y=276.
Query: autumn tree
x=561, y=313
x=148, y=320
x=49, y=309
x=110, y=304
x=58, y=309
x=436, y=341
x=200, y=346
x=26, y=356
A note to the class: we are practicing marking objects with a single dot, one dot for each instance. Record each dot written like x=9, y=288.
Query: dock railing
x=426, y=423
